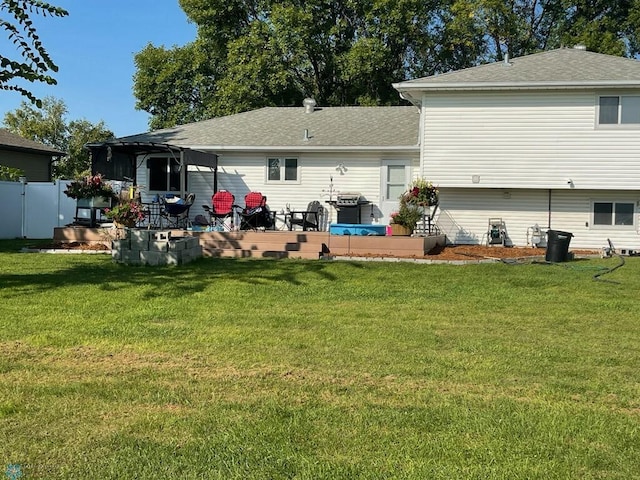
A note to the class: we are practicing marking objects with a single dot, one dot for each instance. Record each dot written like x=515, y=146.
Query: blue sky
x=94, y=47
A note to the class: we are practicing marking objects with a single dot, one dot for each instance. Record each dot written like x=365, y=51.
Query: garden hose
x=601, y=270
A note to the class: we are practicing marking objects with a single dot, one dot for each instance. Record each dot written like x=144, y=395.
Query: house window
x=164, y=174
x=619, y=110
x=282, y=169
x=613, y=214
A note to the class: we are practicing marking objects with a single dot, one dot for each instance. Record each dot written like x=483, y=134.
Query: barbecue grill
x=348, y=205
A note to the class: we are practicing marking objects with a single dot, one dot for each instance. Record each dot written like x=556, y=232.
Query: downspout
x=549, y=211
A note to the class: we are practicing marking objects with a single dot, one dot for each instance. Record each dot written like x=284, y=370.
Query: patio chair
x=255, y=214
x=175, y=210
x=309, y=219
x=222, y=207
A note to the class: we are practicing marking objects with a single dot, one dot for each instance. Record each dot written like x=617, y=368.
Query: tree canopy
x=34, y=63
x=254, y=53
x=49, y=125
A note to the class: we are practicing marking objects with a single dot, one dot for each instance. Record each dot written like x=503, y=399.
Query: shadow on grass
x=172, y=281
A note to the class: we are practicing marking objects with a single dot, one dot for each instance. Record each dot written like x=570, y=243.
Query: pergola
x=118, y=160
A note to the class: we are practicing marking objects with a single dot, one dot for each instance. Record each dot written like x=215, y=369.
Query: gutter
x=404, y=87
x=302, y=148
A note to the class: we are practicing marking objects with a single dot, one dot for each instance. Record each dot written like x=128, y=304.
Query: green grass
x=262, y=369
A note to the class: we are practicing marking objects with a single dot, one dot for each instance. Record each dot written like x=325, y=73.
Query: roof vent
x=580, y=47
x=309, y=105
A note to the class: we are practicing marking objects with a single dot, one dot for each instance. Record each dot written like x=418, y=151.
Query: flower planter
x=93, y=202
x=400, y=230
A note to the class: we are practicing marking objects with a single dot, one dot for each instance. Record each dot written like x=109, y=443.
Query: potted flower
x=126, y=213
x=90, y=191
x=421, y=194
x=404, y=221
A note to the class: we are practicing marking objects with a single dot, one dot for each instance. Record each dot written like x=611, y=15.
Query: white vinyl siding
x=241, y=173
x=464, y=215
x=525, y=140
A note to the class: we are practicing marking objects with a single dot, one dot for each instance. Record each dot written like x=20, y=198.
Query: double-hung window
x=164, y=174
x=282, y=169
x=619, y=110
x=613, y=214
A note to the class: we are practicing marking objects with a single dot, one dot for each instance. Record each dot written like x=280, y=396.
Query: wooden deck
x=277, y=244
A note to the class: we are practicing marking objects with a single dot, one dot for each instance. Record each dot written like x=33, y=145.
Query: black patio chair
x=175, y=211
x=309, y=219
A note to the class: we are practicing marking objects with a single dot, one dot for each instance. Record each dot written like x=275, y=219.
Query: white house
x=291, y=155
x=550, y=139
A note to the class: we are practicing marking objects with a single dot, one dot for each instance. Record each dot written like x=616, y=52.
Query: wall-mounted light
x=341, y=168
x=570, y=183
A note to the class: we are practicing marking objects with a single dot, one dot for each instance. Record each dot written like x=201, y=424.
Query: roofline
x=556, y=85
x=119, y=143
x=306, y=149
x=15, y=148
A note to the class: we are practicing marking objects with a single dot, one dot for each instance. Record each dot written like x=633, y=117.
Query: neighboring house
x=551, y=139
x=33, y=158
x=293, y=155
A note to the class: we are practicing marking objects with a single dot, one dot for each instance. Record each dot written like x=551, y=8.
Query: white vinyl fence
x=34, y=209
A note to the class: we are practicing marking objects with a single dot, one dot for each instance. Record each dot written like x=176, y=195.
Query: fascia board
x=458, y=86
x=298, y=148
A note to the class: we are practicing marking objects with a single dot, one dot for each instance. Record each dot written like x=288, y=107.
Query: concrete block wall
x=155, y=247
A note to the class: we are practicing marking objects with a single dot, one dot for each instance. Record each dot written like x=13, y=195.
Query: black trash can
x=558, y=246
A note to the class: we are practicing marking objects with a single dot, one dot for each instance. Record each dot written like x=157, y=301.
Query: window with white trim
x=282, y=169
x=164, y=174
x=619, y=110
x=613, y=214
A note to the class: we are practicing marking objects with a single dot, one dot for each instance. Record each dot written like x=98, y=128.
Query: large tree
x=495, y=28
x=49, y=125
x=254, y=53
x=34, y=63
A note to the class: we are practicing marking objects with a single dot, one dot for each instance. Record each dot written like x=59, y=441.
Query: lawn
x=265, y=369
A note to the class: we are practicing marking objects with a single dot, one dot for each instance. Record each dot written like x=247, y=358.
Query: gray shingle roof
x=16, y=142
x=564, y=67
x=274, y=127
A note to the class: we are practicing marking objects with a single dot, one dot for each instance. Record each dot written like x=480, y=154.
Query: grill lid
x=349, y=199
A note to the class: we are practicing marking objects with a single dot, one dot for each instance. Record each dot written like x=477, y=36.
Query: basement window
x=613, y=214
